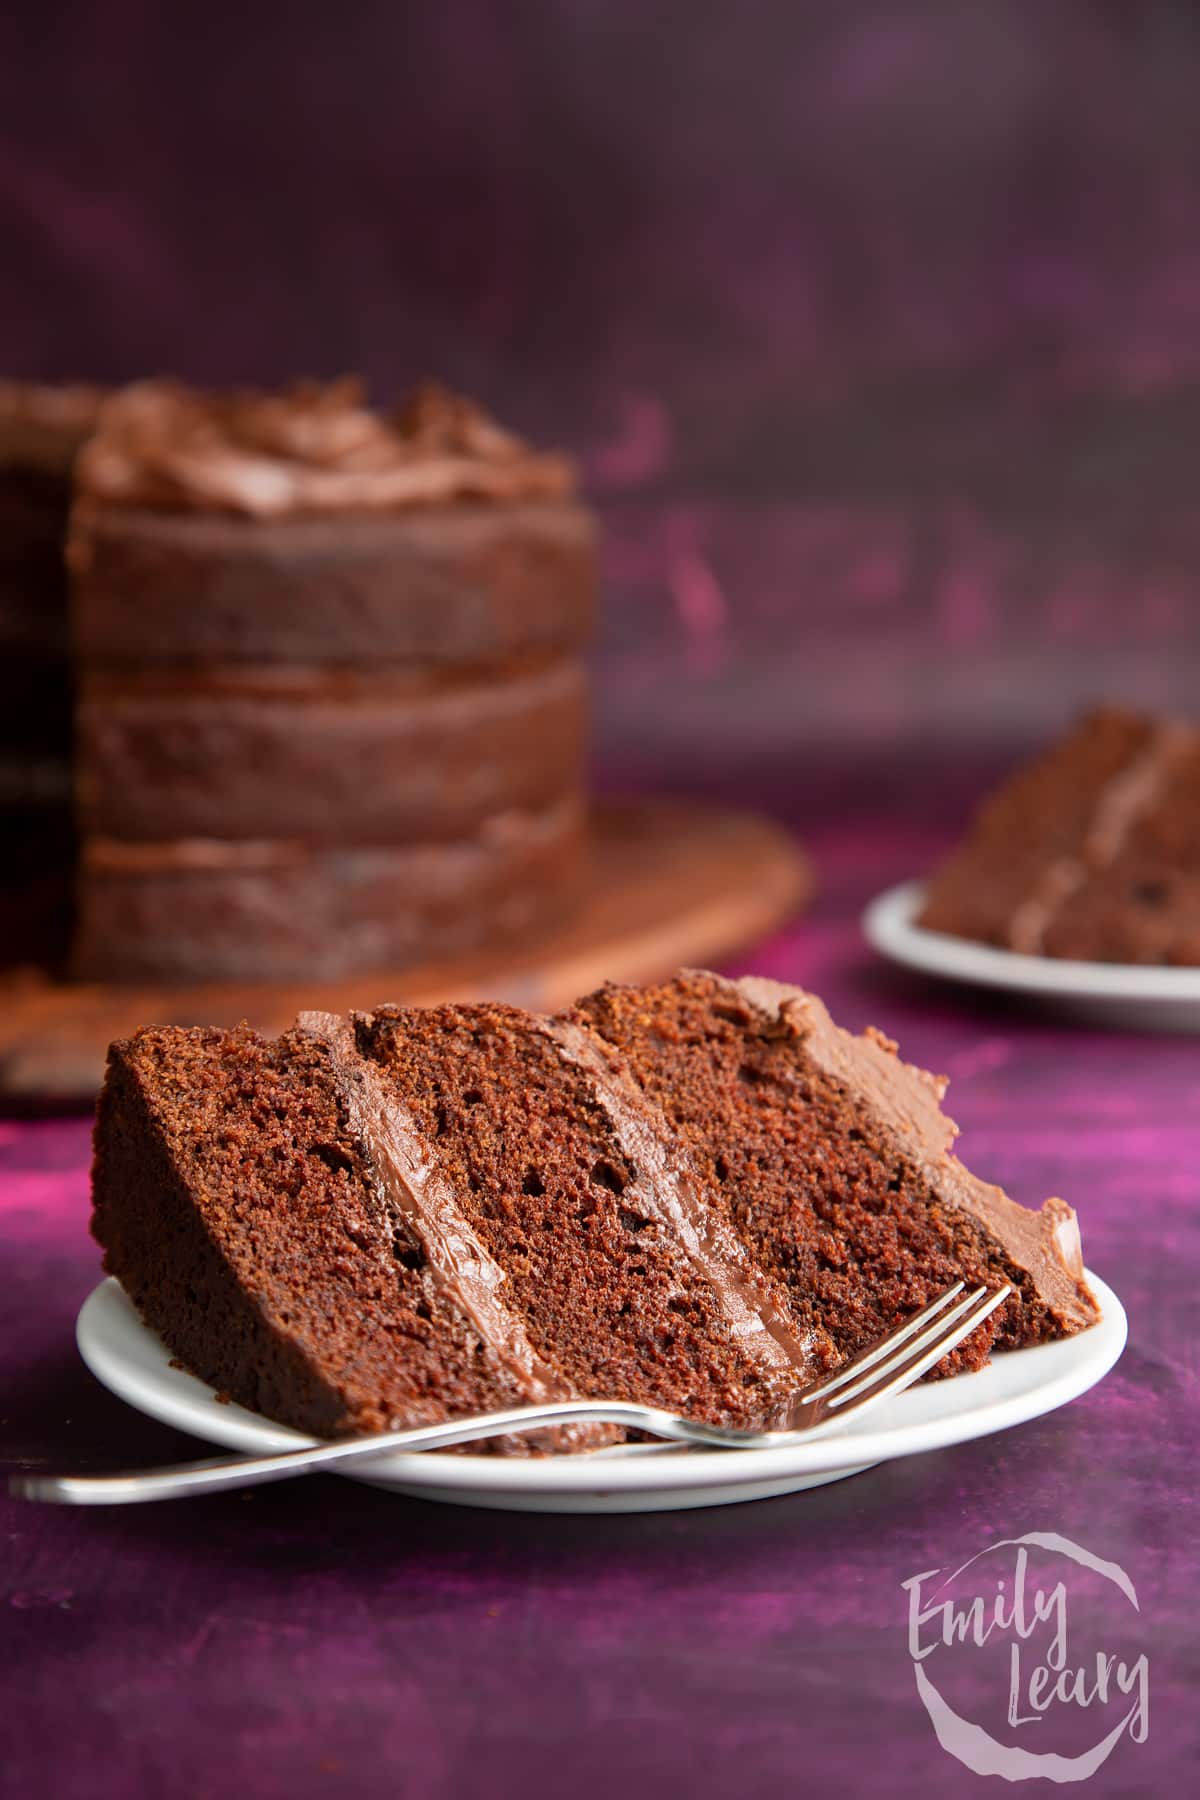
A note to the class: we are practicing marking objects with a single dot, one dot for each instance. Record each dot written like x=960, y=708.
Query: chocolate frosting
x=497, y=833
x=513, y=683
x=417, y=1195
x=313, y=449
x=666, y=1189
x=906, y=1103
x=42, y=425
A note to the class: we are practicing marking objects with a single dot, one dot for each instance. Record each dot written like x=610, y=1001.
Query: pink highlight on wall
x=975, y=587
x=698, y=598
x=639, y=451
x=1077, y=598
x=880, y=577
x=698, y=602
x=1163, y=606
x=702, y=609
x=964, y=607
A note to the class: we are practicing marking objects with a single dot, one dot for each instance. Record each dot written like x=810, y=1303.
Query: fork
x=883, y=1369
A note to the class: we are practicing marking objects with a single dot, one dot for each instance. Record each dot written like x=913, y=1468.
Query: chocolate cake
x=264, y=909
x=1091, y=851
x=332, y=704
x=41, y=429
x=701, y=1194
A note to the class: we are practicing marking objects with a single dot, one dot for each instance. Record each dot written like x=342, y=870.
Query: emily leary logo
x=1023, y=1659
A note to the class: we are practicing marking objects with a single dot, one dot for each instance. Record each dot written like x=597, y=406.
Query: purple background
x=875, y=326
x=876, y=329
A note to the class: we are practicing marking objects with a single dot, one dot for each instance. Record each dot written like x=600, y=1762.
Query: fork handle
x=215, y=1473
x=877, y=1376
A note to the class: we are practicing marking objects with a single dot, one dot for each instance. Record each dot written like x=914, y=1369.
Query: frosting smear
x=315, y=448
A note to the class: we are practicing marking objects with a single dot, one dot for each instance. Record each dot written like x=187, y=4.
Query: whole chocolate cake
x=41, y=429
x=332, y=706
x=699, y=1195
x=1091, y=851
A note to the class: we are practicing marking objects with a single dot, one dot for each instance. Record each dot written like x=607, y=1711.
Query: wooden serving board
x=672, y=883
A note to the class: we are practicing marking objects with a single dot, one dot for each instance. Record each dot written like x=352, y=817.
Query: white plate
x=1136, y=997
x=135, y=1364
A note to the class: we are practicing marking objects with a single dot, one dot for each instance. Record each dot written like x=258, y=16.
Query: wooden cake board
x=671, y=884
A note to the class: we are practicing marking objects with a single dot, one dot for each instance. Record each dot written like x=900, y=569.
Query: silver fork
x=886, y=1368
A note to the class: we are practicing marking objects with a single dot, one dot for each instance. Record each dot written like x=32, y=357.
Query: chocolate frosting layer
x=505, y=831
x=418, y=1196
x=906, y=1103
x=42, y=425
x=666, y=1189
x=510, y=684
x=313, y=449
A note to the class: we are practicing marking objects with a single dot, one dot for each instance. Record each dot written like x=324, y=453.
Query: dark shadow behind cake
x=41, y=430
x=332, y=711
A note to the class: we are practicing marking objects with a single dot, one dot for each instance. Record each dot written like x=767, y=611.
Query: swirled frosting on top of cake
x=314, y=448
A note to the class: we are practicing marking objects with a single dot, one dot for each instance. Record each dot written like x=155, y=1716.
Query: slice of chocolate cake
x=423, y=1213
x=832, y=1159
x=699, y=1195
x=1092, y=851
x=254, y=1229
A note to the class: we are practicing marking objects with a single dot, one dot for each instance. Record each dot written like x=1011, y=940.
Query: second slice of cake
x=1091, y=851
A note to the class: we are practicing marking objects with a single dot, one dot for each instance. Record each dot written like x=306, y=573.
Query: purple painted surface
x=321, y=1639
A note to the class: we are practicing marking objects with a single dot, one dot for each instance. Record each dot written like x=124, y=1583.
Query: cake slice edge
x=906, y=1100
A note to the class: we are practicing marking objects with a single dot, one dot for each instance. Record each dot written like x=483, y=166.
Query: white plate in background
x=1130, y=996
x=134, y=1364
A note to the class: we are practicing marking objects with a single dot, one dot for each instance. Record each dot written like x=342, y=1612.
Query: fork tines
x=906, y=1354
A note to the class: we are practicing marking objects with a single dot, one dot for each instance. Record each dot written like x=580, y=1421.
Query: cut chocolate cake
x=832, y=1159
x=1092, y=851
x=699, y=1195
x=331, y=683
